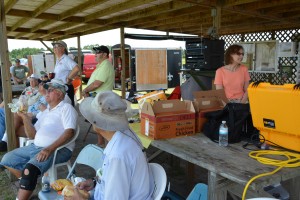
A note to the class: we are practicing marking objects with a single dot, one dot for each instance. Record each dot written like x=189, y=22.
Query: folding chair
x=160, y=180
x=199, y=192
x=90, y=155
x=53, y=169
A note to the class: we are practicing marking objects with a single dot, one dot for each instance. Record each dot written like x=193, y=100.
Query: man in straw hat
x=55, y=126
x=65, y=69
x=125, y=173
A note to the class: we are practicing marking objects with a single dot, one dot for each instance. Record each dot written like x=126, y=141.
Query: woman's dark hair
x=233, y=49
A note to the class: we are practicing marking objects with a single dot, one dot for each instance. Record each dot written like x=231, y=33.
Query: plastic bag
x=20, y=106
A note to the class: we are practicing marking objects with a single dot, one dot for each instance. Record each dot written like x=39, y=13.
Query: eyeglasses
x=99, y=52
x=239, y=53
x=57, y=46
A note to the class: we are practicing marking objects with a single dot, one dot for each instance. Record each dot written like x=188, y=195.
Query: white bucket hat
x=106, y=111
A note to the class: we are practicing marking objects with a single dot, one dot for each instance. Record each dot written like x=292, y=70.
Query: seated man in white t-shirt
x=55, y=126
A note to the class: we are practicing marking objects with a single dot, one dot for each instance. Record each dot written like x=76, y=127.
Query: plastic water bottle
x=46, y=183
x=223, y=134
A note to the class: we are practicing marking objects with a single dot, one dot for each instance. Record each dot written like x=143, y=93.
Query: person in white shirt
x=55, y=126
x=125, y=172
x=65, y=69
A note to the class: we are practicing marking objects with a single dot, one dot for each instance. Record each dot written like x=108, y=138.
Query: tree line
x=24, y=52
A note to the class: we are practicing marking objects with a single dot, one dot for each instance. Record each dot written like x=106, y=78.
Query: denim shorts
x=18, y=158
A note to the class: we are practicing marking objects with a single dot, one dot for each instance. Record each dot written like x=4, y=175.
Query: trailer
x=147, y=68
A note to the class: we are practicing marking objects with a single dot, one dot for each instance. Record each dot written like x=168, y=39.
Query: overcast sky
x=111, y=38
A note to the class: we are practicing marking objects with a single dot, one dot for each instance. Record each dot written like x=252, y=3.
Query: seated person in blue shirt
x=125, y=173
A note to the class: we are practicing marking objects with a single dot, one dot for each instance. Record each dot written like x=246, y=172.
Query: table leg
x=190, y=176
x=292, y=186
x=215, y=190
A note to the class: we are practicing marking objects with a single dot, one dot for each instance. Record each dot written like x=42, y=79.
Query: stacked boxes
x=207, y=101
x=174, y=118
x=168, y=119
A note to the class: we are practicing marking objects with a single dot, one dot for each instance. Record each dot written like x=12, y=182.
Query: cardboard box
x=168, y=119
x=201, y=119
x=211, y=98
x=207, y=101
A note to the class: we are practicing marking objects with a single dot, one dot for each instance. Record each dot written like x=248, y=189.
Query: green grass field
x=8, y=192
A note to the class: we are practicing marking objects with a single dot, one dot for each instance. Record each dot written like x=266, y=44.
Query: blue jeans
x=18, y=158
x=2, y=123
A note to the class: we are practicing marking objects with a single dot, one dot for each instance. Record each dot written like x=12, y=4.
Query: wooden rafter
x=48, y=4
x=183, y=16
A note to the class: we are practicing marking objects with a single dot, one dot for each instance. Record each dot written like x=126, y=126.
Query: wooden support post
x=79, y=54
x=218, y=20
x=123, y=77
x=48, y=48
x=6, y=83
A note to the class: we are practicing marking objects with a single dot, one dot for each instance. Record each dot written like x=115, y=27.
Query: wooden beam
x=41, y=25
x=9, y=4
x=81, y=7
x=291, y=7
x=117, y=8
x=45, y=6
x=95, y=30
x=241, y=9
x=79, y=30
x=27, y=30
x=262, y=5
x=257, y=14
x=22, y=35
x=185, y=13
x=19, y=23
x=230, y=3
x=61, y=27
x=45, y=45
x=6, y=82
x=152, y=11
x=180, y=19
x=52, y=17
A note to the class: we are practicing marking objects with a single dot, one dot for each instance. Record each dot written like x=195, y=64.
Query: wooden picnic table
x=229, y=168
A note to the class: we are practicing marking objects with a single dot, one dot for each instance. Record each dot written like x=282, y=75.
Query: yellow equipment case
x=275, y=113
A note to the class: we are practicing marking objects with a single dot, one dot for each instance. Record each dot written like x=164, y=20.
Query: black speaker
x=204, y=54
